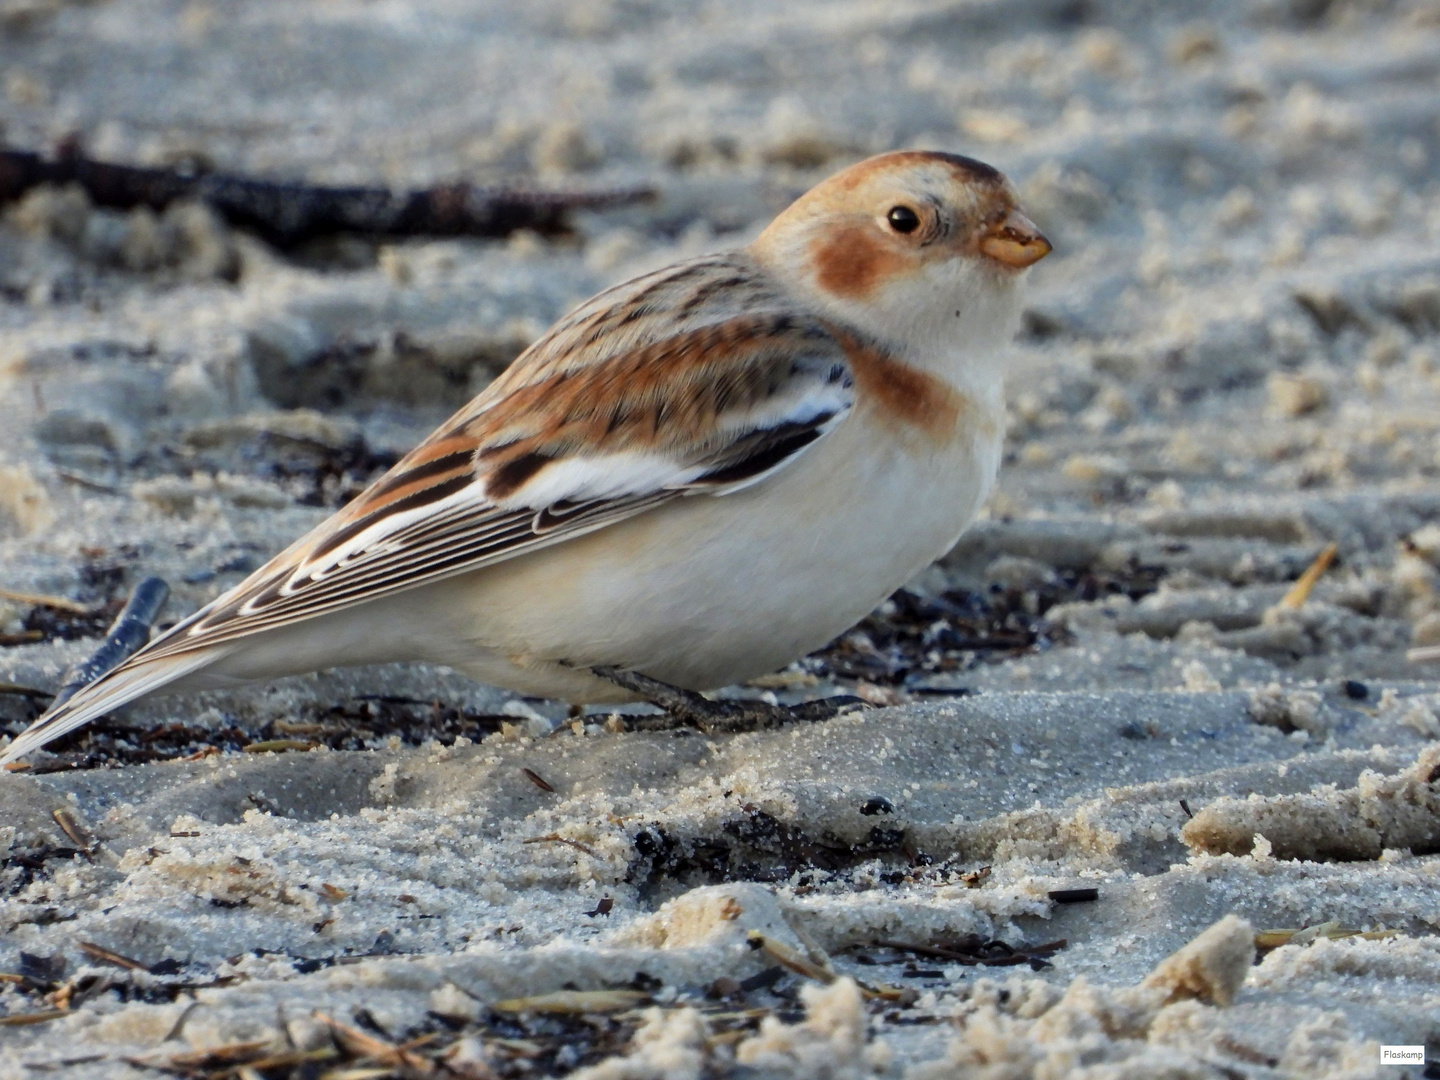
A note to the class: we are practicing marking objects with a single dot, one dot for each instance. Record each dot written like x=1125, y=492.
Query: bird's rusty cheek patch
x=852, y=262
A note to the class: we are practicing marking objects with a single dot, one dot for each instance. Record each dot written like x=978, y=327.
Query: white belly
x=708, y=591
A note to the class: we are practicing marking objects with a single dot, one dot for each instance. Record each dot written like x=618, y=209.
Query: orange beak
x=1014, y=241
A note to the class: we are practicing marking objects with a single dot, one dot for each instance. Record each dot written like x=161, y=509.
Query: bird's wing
x=632, y=401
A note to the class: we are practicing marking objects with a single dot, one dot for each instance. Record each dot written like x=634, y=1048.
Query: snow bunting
x=694, y=478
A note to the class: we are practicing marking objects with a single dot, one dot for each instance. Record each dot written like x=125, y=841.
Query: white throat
x=955, y=320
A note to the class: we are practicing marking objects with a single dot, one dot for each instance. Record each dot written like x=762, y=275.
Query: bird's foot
x=686, y=708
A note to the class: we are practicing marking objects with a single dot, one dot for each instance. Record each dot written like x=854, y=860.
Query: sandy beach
x=1134, y=797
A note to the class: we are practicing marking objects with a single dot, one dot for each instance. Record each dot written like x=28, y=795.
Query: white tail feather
x=107, y=693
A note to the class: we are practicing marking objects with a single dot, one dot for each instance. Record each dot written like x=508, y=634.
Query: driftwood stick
x=127, y=635
x=288, y=213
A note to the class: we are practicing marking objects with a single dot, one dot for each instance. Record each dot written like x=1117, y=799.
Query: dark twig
x=289, y=213
x=1074, y=896
x=983, y=953
x=109, y=956
x=128, y=633
x=24, y=691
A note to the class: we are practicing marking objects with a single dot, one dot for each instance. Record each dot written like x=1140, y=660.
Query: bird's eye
x=902, y=219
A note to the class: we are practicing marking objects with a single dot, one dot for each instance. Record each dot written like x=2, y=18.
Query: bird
x=691, y=479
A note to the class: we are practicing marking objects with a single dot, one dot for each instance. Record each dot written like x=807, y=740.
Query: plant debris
x=46, y=623
x=25, y=1019
x=353, y=725
x=28, y=865
x=546, y=1036
x=108, y=956
x=753, y=846
x=1074, y=896
x=58, y=617
x=1265, y=940
x=1305, y=584
x=72, y=828
x=973, y=879
x=911, y=638
x=43, y=971
x=971, y=950
x=575, y=1001
x=287, y=214
x=810, y=967
x=311, y=470
x=59, y=603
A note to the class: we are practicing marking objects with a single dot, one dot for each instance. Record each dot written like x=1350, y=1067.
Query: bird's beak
x=1014, y=241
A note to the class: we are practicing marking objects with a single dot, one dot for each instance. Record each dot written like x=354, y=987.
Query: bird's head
x=920, y=248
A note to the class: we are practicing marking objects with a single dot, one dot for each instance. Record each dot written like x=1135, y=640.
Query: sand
x=1231, y=361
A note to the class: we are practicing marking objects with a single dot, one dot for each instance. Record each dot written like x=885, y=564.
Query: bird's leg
x=686, y=708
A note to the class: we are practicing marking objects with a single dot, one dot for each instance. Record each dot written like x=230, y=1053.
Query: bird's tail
x=130, y=680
